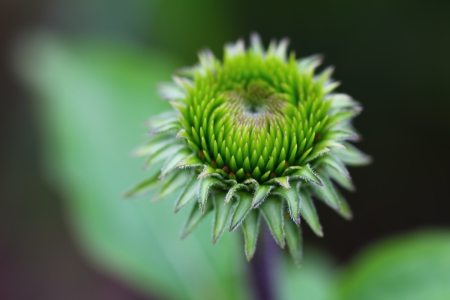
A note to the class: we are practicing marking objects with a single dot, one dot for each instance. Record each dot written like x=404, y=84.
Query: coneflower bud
x=258, y=133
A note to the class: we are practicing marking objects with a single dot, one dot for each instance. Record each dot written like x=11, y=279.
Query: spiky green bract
x=260, y=133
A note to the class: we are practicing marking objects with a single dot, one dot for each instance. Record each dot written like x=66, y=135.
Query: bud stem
x=262, y=268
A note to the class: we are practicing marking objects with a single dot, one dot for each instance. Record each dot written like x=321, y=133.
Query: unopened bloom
x=257, y=134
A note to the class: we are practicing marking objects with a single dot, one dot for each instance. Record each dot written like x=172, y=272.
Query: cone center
x=255, y=102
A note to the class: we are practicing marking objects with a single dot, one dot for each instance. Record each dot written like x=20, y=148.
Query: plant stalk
x=263, y=267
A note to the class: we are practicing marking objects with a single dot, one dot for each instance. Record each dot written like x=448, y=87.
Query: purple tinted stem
x=263, y=267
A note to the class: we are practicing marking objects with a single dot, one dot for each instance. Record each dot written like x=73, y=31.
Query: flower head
x=257, y=134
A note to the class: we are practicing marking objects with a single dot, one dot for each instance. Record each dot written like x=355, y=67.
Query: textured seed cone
x=257, y=135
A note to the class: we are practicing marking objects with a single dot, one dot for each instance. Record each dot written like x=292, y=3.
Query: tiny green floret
x=256, y=135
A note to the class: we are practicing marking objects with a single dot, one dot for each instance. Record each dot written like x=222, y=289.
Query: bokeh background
x=77, y=81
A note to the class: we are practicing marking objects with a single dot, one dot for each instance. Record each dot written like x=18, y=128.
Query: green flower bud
x=258, y=134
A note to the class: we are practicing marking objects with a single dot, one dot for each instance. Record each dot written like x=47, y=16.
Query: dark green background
x=392, y=56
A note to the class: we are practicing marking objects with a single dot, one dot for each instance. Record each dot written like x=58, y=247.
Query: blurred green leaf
x=312, y=281
x=95, y=97
x=411, y=267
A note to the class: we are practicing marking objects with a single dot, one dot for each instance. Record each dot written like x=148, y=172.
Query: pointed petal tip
x=254, y=35
x=319, y=181
x=320, y=56
x=348, y=217
x=336, y=207
x=356, y=138
x=256, y=205
x=284, y=182
x=347, y=176
x=283, y=244
x=176, y=209
x=206, y=172
x=126, y=197
x=233, y=227
x=249, y=257
x=285, y=40
x=330, y=69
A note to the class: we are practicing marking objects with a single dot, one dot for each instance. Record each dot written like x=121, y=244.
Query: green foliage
x=415, y=266
x=412, y=267
x=94, y=97
x=313, y=280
